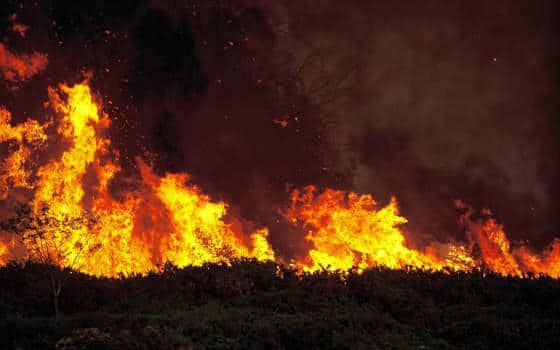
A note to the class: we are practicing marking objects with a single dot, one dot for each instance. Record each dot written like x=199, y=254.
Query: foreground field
x=254, y=305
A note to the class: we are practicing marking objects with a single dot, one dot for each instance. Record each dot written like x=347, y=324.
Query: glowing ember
x=19, y=28
x=20, y=67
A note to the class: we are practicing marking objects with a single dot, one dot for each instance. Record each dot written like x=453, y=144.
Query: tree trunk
x=55, y=302
x=56, y=287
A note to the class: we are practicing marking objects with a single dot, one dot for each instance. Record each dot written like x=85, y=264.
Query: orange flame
x=79, y=224
x=547, y=263
x=497, y=254
x=164, y=220
x=13, y=168
x=348, y=230
x=3, y=253
x=20, y=67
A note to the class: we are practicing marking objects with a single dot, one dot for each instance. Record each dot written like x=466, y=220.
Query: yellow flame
x=14, y=171
x=3, y=253
x=79, y=224
x=347, y=230
x=84, y=227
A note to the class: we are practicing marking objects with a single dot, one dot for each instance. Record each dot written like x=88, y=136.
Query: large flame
x=74, y=220
x=13, y=168
x=348, y=230
x=84, y=227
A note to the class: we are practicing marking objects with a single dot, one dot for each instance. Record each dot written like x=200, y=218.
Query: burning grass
x=168, y=219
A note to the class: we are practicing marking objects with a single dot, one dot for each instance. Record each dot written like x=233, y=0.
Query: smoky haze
x=426, y=101
x=431, y=101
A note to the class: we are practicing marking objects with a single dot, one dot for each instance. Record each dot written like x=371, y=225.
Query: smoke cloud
x=435, y=101
x=427, y=101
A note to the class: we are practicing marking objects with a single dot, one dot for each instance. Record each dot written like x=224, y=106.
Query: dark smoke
x=427, y=101
x=440, y=100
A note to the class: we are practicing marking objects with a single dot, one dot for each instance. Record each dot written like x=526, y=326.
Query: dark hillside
x=248, y=306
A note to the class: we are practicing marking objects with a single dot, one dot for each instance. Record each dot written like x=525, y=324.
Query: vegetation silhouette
x=256, y=305
x=42, y=233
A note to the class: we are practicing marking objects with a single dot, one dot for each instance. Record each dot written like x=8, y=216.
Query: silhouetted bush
x=252, y=305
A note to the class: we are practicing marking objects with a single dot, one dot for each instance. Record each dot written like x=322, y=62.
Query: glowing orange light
x=168, y=219
x=165, y=219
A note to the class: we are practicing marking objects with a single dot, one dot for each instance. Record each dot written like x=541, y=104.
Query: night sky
x=429, y=101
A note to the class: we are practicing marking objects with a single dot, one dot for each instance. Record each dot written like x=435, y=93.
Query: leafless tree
x=61, y=243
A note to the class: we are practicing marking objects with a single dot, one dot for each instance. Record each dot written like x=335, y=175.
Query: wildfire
x=348, y=230
x=13, y=172
x=74, y=220
x=497, y=254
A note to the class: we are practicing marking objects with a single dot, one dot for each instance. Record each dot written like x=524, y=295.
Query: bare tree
x=62, y=242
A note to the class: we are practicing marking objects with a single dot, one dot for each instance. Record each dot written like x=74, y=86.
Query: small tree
x=62, y=242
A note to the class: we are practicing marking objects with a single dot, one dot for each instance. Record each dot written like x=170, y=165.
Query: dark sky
x=425, y=100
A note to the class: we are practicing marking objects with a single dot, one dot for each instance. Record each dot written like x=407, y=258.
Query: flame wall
x=164, y=219
x=258, y=100
x=77, y=223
